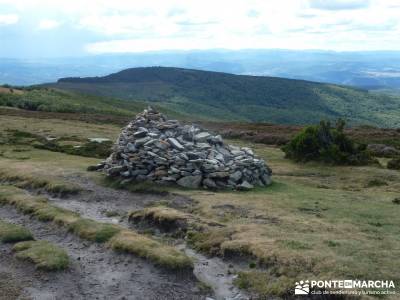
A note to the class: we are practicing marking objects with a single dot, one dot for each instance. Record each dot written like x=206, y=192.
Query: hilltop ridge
x=229, y=97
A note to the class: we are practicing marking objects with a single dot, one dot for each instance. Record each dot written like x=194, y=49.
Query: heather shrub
x=326, y=144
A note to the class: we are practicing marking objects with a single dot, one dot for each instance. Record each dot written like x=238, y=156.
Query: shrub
x=327, y=144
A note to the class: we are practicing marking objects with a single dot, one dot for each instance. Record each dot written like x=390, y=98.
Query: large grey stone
x=142, y=141
x=192, y=182
x=175, y=144
x=236, y=176
x=209, y=183
x=202, y=136
x=142, y=132
x=245, y=186
x=131, y=147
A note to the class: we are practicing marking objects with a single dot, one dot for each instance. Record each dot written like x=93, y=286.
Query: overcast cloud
x=69, y=27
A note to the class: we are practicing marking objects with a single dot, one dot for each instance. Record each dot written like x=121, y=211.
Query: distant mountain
x=369, y=70
x=228, y=97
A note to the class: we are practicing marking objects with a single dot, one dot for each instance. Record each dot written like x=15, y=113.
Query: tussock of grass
x=159, y=214
x=59, y=215
x=43, y=254
x=36, y=182
x=94, y=231
x=140, y=245
x=120, y=239
x=24, y=203
x=164, y=217
x=264, y=285
x=211, y=241
x=169, y=221
x=11, y=233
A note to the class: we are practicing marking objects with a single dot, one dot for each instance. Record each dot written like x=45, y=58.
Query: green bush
x=326, y=144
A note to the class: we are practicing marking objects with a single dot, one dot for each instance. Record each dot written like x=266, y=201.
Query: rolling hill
x=228, y=97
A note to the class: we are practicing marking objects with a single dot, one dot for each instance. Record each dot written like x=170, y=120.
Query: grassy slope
x=220, y=96
x=314, y=222
x=62, y=101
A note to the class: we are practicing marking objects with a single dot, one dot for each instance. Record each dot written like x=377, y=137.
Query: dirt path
x=212, y=271
x=97, y=200
x=95, y=272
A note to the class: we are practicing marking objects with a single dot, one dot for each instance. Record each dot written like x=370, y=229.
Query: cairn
x=153, y=148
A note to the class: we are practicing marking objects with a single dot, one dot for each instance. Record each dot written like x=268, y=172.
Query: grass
x=59, y=215
x=43, y=254
x=94, y=231
x=160, y=215
x=66, y=144
x=53, y=100
x=118, y=238
x=142, y=246
x=264, y=285
x=50, y=185
x=24, y=203
x=313, y=222
x=72, y=129
x=11, y=233
x=175, y=223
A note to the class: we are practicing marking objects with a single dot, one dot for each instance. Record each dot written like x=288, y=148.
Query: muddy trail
x=95, y=272
x=100, y=273
x=96, y=201
x=110, y=205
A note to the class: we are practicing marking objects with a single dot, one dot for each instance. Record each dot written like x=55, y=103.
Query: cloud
x=47, y=24
x=9, y=19
x=307, y=15
x=339, y=4
x=136, y=25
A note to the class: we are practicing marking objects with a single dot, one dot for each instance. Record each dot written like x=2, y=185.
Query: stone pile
x=152, y=148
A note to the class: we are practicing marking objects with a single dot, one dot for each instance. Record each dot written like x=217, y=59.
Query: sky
x=59, y=28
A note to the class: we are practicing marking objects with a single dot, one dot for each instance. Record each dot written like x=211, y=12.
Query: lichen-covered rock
x=154, y=148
